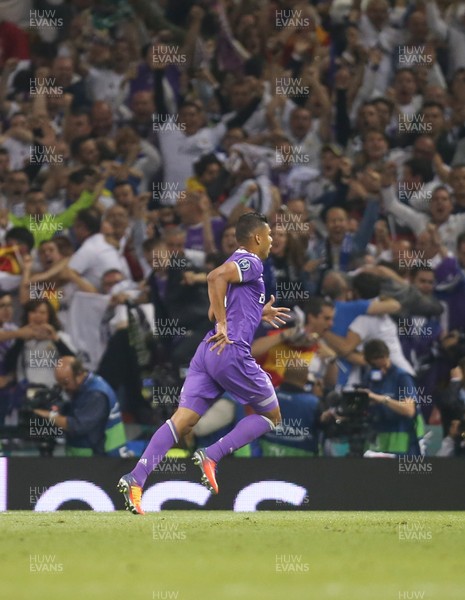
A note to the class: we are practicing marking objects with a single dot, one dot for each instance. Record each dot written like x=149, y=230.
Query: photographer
x=91, y=420
x=397, y=422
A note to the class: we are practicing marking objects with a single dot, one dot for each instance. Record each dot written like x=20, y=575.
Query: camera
x=354, y=405
x=30, y=428
x=353, y=419
x=42, y=397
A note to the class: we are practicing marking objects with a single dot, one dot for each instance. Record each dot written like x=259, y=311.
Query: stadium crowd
x=134, y=135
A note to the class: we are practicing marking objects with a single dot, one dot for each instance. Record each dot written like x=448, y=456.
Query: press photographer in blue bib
x=91, y=421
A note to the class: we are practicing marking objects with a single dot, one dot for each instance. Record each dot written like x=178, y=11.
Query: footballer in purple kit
x=222, y=362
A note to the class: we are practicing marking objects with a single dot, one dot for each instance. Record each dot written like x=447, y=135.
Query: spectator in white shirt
x=96, y=255
x=449, y=226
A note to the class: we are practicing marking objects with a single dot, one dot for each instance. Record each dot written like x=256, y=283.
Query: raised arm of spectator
x=152, y=15
x=412, y=218
x=370, y=74
x=196, y=15
x=208, y=237
x=367, y=224
x=244, y=115
x=311, y=75
x=342, y=124
x=8, y=68
x=159, y=92
x=26, y=279
x=407, y=215
x=442, y=170
x=86, y=200
x=436, y=24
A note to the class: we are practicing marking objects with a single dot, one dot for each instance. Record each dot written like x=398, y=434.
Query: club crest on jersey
x=244, y=264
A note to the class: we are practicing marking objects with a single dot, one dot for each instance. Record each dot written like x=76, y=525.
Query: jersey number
x=261, y=300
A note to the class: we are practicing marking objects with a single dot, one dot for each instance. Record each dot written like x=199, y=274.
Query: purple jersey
x=245, y=300
x=234, y=371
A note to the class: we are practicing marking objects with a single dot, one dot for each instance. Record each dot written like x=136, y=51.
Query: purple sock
x=248, y=429
x=162, y=440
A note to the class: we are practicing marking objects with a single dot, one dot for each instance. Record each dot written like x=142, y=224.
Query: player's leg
x=247, y=381
x=191, y=407
x=169, y=434
x=247, y=430
x=163, y=440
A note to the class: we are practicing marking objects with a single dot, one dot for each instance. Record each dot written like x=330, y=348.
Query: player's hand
x=220, y=338
x=271, y=314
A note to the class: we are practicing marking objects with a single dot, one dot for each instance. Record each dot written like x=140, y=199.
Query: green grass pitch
x=194, y=555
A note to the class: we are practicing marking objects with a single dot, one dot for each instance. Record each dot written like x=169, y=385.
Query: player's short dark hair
x=90, y=218
x=366, y=285
x=315, y=304
x=374, y=349
x=21, y=235
x=247, y=224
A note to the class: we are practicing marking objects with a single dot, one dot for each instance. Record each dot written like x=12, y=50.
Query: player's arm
x=218, y=281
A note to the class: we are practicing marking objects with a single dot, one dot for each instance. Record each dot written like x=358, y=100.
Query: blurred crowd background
x=134, y=133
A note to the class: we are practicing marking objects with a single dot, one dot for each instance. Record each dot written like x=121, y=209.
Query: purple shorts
x=234, y=371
